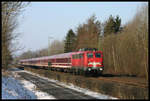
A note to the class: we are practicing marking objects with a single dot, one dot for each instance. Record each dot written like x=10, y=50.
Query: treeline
x=125, y=47
x=55, y=47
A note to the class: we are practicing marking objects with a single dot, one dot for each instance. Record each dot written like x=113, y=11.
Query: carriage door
x=82, y=60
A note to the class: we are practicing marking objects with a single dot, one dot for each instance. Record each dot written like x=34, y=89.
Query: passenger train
x=86, y=60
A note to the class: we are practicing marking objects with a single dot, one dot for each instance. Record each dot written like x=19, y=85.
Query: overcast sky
x=41, y=20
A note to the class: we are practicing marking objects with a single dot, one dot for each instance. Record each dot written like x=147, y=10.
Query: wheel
x=62, y=70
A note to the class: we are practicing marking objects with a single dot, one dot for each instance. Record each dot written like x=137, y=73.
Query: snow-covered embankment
x=21, y=89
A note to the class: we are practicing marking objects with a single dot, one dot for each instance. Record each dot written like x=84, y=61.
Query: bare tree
x=56, y=47
x=88, y=31
x=10, y=11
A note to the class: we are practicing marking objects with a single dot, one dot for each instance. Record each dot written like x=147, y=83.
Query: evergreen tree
x=112, y=25
x=117, y=24
x=109, y=27
x=69, y=41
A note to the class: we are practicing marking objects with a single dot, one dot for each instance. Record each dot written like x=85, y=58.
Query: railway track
x=123, y=80
x=54, y=89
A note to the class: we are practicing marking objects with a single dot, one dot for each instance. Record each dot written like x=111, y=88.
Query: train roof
x=64, y=55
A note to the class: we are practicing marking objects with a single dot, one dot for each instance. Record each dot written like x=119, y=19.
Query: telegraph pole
x=49, y=45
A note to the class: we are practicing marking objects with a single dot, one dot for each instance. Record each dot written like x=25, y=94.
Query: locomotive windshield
x=97, y=55
x=90, y=55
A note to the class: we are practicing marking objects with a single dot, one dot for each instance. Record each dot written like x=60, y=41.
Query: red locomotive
x=86, y=60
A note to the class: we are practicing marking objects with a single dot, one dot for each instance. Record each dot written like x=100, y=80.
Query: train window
x=81, y=55
x=73, y=56
x=90, y=55
x=78, y=56
x=97, y=55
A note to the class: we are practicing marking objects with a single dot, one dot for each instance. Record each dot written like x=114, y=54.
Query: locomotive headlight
x=89, y=69
x=100, y=69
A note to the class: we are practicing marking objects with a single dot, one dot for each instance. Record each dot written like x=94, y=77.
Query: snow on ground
x=40, y=95
x=21, y=89
x=12, y=89
x=79, y=89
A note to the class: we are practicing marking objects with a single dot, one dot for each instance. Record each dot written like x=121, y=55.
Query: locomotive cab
x=95, y=61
